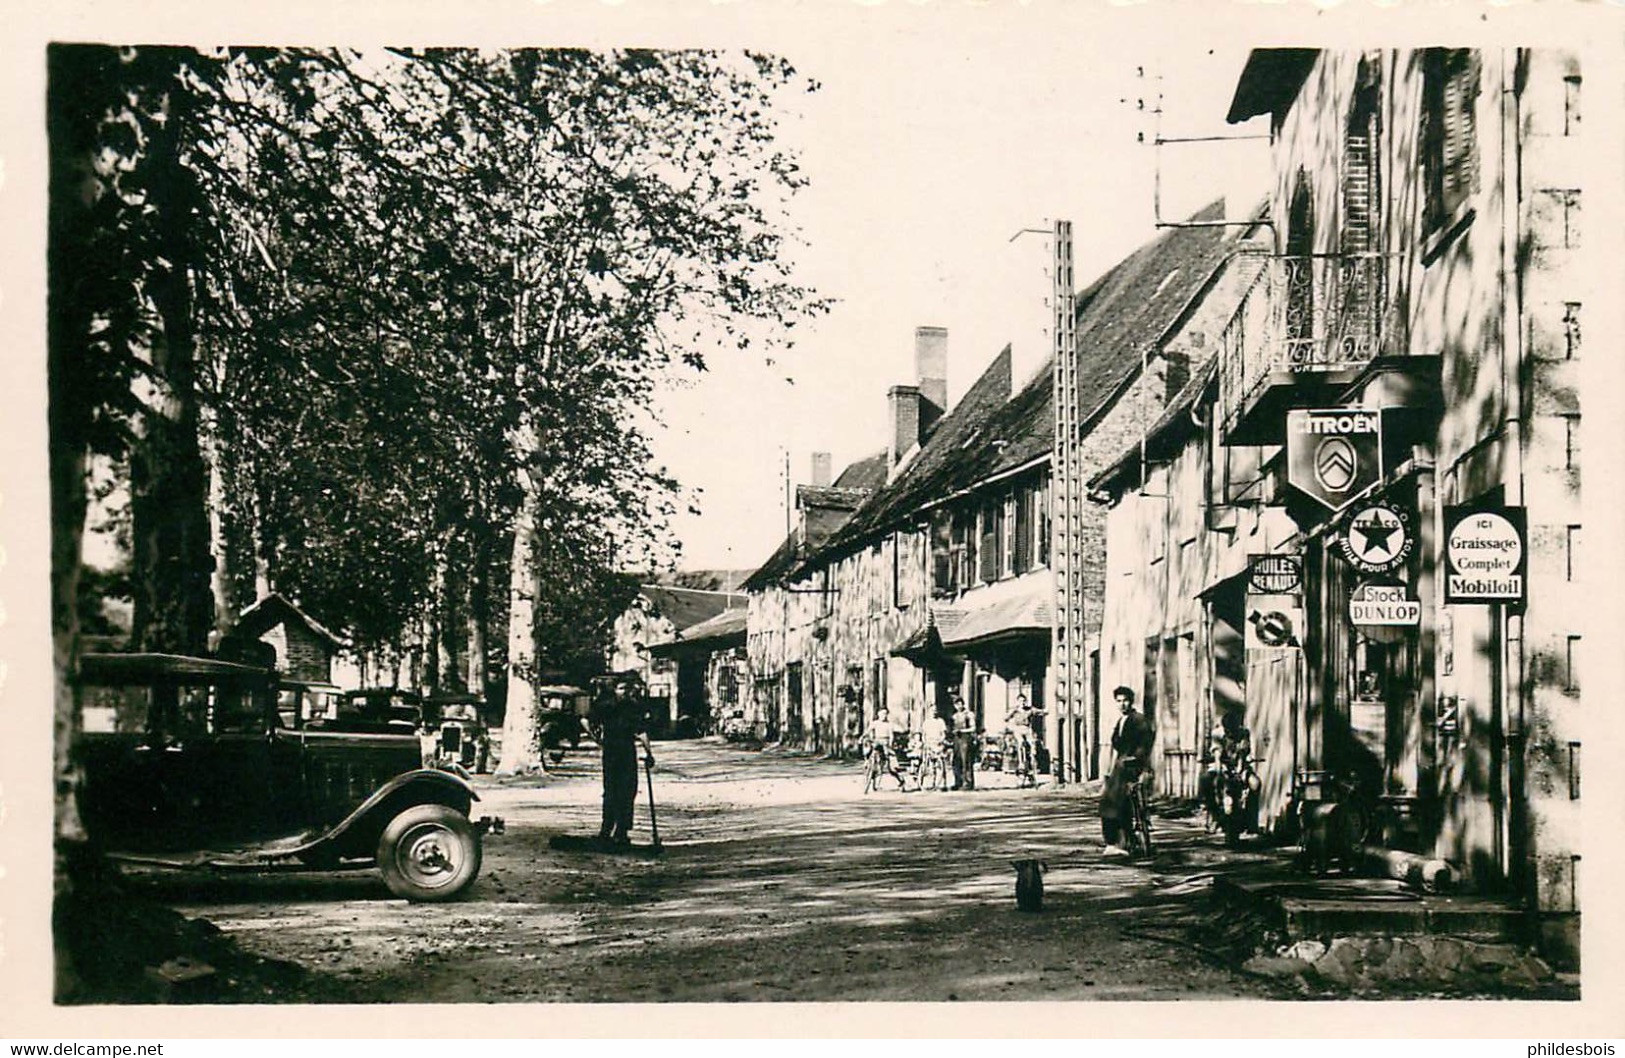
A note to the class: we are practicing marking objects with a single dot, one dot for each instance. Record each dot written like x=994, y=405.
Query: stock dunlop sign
x=1333, y=455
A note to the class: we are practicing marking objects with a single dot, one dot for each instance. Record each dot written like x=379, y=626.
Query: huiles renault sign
x=1334, y=455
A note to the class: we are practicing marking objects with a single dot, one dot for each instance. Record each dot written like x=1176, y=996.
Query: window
x=1042, y=498
x=945, y=549
x=897, y=570
x=1571, y=329
x=965, y=527
x=1450, y=87
x=1008, y=531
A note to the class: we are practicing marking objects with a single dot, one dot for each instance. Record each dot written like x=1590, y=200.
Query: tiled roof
x=850, y=489
x=866, y=473
x=1129, y=309
x=960, y=441
x=725, y=629
x=685, y=607
x=274, y=609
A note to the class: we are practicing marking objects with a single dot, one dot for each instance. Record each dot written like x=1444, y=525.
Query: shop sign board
x=1486, y=554
x=1378, y=538
x=1274, y=574
x=1333, y=455
x=1274, y=622
x=1383, y=611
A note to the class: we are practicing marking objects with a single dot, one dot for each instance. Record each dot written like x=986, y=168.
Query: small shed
x=304, y=649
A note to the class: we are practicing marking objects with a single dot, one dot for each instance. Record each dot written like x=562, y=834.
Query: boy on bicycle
x=877, y=746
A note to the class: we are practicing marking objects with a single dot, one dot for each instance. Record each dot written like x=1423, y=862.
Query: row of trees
x=382, y=331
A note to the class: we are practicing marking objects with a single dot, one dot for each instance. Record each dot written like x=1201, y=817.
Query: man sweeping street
x=621, y=720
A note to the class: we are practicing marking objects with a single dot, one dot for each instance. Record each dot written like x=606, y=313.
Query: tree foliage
x=392, y=297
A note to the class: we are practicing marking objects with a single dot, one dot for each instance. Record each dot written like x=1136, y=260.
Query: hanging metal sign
x=1383, y=611
x=1378, y=538
x=1333, y=455
x=1274, y=622
x=1486, y=554
x=1274, y=574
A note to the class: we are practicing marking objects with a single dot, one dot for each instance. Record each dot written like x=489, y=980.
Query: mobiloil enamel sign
x=1486, y=554
x=1333, y=455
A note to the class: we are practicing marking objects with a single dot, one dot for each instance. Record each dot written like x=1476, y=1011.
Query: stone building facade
x=1421, y=285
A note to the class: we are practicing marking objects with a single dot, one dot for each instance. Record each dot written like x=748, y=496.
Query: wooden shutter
x=990, y=541
x=1024, y=529
x=1453, y=146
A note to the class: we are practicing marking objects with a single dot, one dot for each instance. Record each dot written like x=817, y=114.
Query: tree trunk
x=479, y=613
x=521, y=731
x=170, y=567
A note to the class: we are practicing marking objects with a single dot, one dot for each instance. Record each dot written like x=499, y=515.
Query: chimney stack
x=820, y=470
x=905, y=405
x=931, y=374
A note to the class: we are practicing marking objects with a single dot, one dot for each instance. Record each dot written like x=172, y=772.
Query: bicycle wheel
x=871, y=773
x=1142, y=825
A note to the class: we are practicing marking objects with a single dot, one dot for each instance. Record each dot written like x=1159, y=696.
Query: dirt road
x=780, y=881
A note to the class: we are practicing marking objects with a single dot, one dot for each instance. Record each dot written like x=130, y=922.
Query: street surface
x=780, y=880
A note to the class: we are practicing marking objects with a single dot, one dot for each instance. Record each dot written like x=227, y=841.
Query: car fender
x=359, y=831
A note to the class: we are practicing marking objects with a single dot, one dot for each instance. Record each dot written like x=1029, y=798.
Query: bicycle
x=879, y=762
x=1139, y=829
x=931, y=767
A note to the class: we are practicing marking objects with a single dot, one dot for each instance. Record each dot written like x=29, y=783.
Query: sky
x=929, y=147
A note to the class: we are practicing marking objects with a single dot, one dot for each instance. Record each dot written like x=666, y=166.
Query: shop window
x=1450, y=88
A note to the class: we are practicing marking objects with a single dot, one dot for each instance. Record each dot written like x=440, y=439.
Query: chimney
x=931, y=374
x=820, y=470
x=905, y=405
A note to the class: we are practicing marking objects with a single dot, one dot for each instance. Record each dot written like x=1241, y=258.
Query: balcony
x=1306, y=328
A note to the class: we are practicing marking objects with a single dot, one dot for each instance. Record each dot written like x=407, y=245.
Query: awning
x=923, y=648
x=1025, y=614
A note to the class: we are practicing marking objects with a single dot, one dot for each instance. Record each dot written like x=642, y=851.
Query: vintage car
x=188, y=762
x=385, y=705
x=562, y=719
x=461, y=735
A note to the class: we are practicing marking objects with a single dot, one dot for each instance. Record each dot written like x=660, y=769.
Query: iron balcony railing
x=1303, y=315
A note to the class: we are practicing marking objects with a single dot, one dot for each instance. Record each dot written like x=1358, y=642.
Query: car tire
x=429, y=853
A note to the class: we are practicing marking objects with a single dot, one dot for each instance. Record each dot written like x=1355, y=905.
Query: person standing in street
x=964, y=743
x=623, y=726
x=1131, y=744
x=1019, y=720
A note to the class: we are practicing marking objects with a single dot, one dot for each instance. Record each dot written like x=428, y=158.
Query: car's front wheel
x=429, y=853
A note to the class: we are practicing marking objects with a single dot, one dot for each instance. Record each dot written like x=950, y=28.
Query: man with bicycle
x=879, y=752
x=1131, y=743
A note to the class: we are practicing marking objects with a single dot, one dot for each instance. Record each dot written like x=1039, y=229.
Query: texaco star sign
x=1378, y=538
